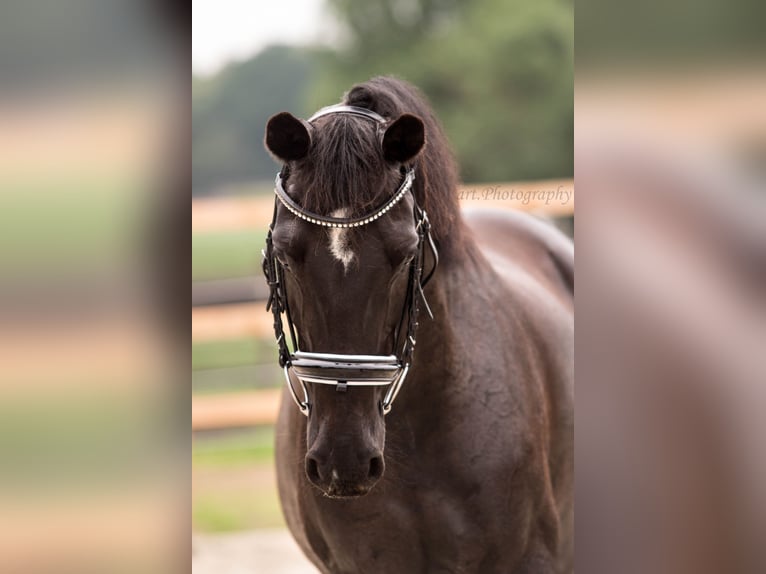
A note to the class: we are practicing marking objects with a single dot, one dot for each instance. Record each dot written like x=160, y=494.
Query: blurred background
x=92, y=127
x=500, y=77
x=670, y=163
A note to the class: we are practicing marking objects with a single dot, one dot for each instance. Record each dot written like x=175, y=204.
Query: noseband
x=349, y=370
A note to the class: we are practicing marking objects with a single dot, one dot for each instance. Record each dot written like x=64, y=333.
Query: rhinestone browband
x=316, y=219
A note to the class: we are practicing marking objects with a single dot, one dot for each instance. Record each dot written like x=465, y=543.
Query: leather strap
x=344, y=109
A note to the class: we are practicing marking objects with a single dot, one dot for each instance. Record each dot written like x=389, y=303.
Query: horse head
x=346, y=277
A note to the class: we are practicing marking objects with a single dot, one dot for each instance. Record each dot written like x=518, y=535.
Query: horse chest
x=402, y=530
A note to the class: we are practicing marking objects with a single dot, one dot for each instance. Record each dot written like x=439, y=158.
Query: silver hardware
x=350, y=383
x=346, y=358
x=303, y=405
x=393, y=391
x=388, y=400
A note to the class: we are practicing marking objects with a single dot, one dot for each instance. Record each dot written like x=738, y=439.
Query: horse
x=465, y=320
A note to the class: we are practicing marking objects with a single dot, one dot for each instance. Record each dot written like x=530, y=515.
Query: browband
x=327, y=221
x=337, y=222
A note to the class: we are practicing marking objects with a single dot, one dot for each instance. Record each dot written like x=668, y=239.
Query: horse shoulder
x=516, y=242
x=536, y=264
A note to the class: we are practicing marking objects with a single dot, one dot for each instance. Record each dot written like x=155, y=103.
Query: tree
x=230, y=110
x=499, y=74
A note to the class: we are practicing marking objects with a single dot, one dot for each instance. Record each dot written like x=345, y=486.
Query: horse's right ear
x=287, y=137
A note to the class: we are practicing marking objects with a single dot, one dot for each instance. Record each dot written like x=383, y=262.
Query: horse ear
x=404, y=138
x=287, y=137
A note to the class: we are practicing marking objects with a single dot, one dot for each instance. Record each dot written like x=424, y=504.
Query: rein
x=349, y=370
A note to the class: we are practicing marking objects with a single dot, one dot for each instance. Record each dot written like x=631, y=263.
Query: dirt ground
x=254, y=552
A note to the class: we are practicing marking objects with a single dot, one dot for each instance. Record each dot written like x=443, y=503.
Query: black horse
x=472, y=469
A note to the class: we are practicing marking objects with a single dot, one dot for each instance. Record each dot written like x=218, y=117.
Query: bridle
x=349, y=370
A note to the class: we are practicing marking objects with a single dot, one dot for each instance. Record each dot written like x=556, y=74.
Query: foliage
x=230, y=110
x=498, y=72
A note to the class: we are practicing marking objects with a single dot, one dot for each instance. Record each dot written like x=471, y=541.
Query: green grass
x=252, y=446
x=229, y=254
x=234, y=486
x=233, y=510
x=232, y=352
x=68, y=226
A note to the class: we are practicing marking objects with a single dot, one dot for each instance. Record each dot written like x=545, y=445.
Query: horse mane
x=347, y=150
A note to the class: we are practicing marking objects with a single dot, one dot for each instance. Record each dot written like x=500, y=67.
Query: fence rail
x=233, y=321
x=225, y=291
x=235, y=409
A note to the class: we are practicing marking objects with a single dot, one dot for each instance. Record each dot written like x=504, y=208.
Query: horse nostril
x=312, y=470
x=376, y=467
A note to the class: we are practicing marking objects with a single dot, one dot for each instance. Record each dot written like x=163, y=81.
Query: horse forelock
x=345, y=166
x=346, y=169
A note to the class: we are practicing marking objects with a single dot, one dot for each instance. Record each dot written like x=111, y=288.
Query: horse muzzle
x=344, y=472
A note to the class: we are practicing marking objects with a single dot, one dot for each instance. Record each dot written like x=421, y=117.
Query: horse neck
x=455, y=291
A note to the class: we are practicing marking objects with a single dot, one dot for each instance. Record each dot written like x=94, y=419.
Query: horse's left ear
x=287, y=137
x=404, y=139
